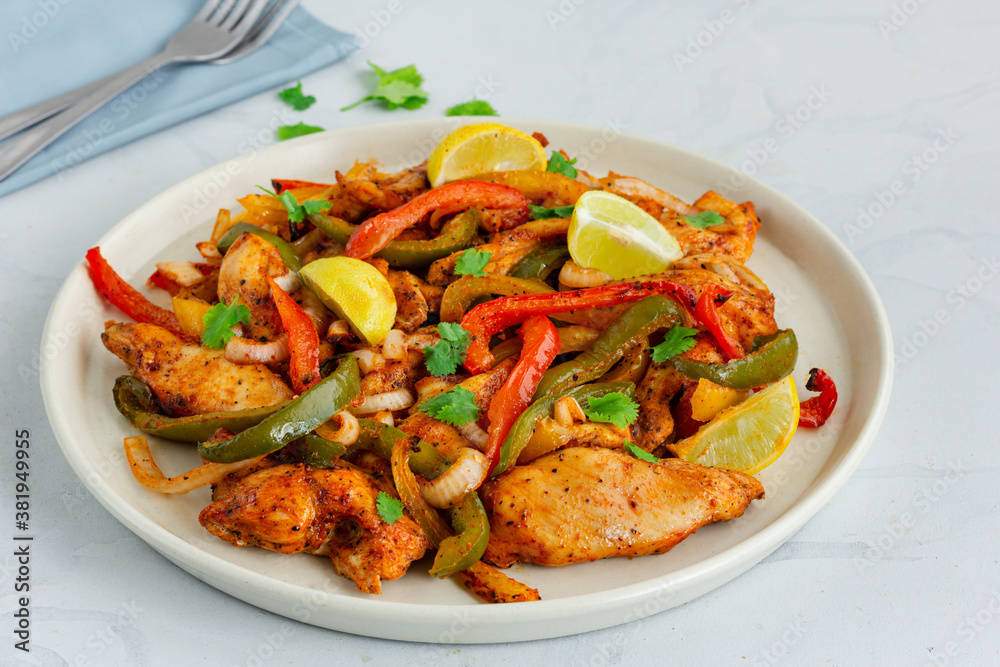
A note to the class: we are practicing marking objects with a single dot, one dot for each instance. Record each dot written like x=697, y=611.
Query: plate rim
x=729, y=563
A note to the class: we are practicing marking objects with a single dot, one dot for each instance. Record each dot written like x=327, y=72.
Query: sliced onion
x=342, y=428
x=289, y=281
x=385, y=417
x=464, y=475
x=369, y=360
x=338, y=329
x=245, y=351
x=409, y=492
x=567, y=411
x=390, y=400
x=575, y=276
x=145, y=470
x=474, y=434
x=394, y=345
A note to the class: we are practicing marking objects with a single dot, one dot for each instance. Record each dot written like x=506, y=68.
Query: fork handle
x=14, y=122
x=19, y=150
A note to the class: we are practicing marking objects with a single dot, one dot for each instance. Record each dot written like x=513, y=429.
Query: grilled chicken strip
x=581, y=504
x=243, y=276
x=294, y=508
x=189, y=379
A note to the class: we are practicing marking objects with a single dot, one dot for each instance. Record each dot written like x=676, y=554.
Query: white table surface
x=900, y=568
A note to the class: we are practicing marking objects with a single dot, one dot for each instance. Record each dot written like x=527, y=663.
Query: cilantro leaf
x=292, y=131
x=472, y=262
x=389, y=508
x=398, y=88
x=219, y=321
x=640, y=453
x=473, y=107
x=560, y=165
x=703, y=219
x=542, y=213
x=296, y=211
x=444, y=357
x=615, y=408
x=294, y=96
x=455, y=406
x=676, y=341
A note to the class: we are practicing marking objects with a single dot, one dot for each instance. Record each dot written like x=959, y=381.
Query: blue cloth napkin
x=52, y=46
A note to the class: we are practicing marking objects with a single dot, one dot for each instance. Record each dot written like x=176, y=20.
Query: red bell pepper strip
x=303, y=341
x=494, y=316
x=707, y=314
x=541, y=345
x=375, y=233
x=127, y=299
x=815, y=411
x=282, y=184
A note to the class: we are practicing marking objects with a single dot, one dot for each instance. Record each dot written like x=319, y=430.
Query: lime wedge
x=481, y=147
x=356, y=292
x=747, y=437
x=612, y=234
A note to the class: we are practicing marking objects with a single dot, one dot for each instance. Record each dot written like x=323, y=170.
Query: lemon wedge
x=610, y=233
x=481, y=147
x=356, y=292
x=747, y=437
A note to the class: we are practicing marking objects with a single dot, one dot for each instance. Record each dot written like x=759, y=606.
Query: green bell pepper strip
x=285, y=249
x=640, y=320
x=462, y=293
x=315, y=451
x=455, y=235
x=541, y=262
x=456, y=552
x=298, y=418
x=520, y=432
x=770, y=359
x=134, y=400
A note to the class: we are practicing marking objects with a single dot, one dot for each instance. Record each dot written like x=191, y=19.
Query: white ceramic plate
x=821, y=292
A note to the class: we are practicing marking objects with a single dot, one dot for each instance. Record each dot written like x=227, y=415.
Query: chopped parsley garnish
x=472, y=262
x=219, y=321
x=703, y=219
x=295, y=97
x=296, y=211
x=676, y=341
x=398, y=88
x=473, y=107
x=560, y=165
x=444, y=357
x=389, y=508
x=614, y=408
x=640, y=453
x=542, y=213
x=291, y=131
x=455, y=406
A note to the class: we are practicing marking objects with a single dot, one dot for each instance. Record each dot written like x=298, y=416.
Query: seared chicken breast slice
x=190, y=379
x=581, y=504
x=295, y=508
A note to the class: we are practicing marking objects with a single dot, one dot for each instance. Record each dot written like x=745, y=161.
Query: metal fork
x=262, y=31
x=218, y=27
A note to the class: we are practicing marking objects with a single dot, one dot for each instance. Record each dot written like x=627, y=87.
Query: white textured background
x=900, y=568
